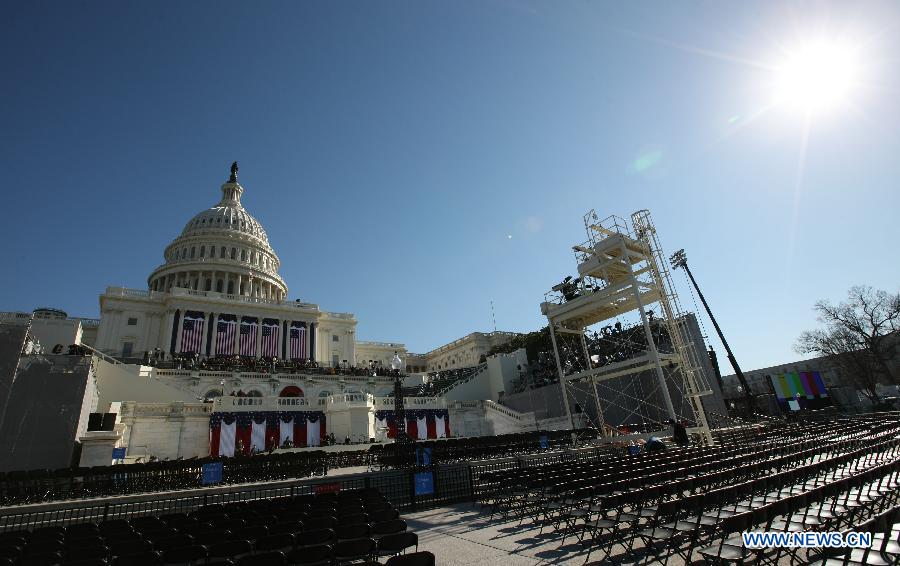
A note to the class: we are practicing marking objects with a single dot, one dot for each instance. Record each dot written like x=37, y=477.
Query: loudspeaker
x=109, y=421
x=95, y=421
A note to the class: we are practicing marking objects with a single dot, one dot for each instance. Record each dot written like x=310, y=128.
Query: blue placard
x=424, y=483
x=212, y=473
x=423, y=456
x=545, y=442
x=118, y=454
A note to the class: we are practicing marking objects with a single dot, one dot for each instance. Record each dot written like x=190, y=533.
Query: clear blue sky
x=392, y=148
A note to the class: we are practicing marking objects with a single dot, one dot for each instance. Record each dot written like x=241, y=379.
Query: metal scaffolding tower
x=622, y=270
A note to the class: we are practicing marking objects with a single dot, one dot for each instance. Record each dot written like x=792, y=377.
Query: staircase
x=505, y=420
x=442, y=386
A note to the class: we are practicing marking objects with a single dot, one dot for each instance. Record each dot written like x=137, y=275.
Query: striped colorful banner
x=808, y=384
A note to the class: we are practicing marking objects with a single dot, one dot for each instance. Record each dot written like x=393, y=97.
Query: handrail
x=476, y=370
x=105, y=357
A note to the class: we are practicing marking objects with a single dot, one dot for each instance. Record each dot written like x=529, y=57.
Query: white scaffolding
x=622, y=270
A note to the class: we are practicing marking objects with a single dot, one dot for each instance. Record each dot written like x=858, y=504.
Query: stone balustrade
x=342, y=401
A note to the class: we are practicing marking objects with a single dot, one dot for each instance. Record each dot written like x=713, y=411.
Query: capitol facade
x=212, y=358
x=219, y=293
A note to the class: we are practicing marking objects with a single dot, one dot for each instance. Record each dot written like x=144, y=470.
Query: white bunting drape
x=286, y=432
x=440, y=427
x=312, y=433
x=226, y=439
x=258, y=437
x=421, y=428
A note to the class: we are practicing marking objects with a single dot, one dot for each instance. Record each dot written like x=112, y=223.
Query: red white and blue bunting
x=421, y=424
x=245, y=433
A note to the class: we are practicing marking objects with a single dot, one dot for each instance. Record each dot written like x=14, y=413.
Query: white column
x=235, y=346
x=179, y=330
x=166, y=331
x=259, y=336
x=212, y=344
x=153, y=331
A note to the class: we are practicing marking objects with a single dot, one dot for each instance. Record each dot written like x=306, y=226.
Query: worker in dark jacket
x=679, y=433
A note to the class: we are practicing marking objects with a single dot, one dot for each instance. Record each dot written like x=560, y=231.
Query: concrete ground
x=463, y=534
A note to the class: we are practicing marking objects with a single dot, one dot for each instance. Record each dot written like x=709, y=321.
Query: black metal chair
x=273, y=558
x=230, y=549
x=311, y=555
x=315, y=537
x=146, y=558
x=185, y=555
x=423, y=558
x=351, y=532
x=729, y=549
x=283, y=541
x=396, y=543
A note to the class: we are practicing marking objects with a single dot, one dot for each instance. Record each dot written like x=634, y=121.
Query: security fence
x=408, y=489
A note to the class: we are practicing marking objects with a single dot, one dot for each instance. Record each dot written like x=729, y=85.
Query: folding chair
x=730, y=548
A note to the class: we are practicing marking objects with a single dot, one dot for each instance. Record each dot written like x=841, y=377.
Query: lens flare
x=817, y=76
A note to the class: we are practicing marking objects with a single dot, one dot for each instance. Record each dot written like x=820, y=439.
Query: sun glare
x=817, y=76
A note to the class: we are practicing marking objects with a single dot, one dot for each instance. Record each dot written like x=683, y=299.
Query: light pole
x=679, y=260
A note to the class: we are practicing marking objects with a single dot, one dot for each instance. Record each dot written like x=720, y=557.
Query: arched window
x=291, y=391
x=193, y=250
x=202, y=251
x=212, y=394
x=208, y=285
x=243, y=255
x=219, y=285
x=212, y=251
x=231, y=287
x=233, y=253
x=222, y=252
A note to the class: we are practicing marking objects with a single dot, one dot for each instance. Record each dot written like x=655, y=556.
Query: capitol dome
x=222, y=249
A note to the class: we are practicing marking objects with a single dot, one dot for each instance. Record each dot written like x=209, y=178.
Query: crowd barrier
x=35, y=486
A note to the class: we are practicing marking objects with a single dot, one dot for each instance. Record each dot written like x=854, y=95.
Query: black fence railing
x=450, y=484
x=35, y=486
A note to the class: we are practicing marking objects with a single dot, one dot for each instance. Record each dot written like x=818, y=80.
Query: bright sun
x=817, y=76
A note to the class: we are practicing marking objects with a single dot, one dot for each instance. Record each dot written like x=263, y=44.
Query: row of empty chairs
x=821, y=475
x=345, y=527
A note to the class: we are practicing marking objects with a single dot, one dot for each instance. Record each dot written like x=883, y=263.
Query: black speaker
x=95, y=421
x=109, y=421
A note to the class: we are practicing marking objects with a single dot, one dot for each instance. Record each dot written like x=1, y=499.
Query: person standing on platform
x=679, y=433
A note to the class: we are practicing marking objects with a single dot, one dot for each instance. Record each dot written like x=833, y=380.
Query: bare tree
x=859, y=337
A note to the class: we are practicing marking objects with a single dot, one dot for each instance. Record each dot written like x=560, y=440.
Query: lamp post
x=679, y=260
x=401, y=439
